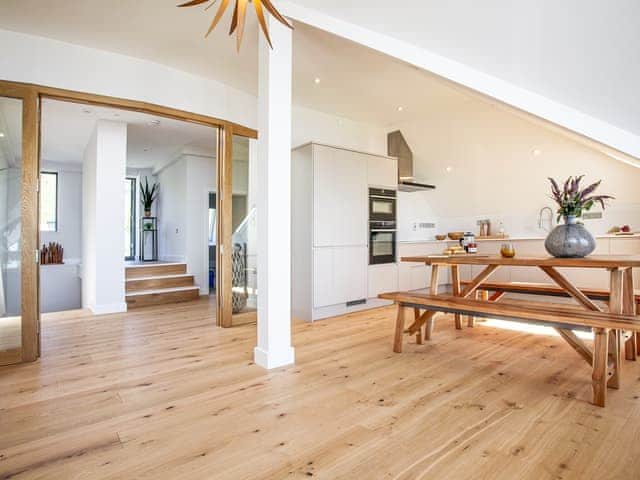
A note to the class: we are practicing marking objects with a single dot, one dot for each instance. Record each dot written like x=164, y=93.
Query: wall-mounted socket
x=423, y=226
x=592, y=215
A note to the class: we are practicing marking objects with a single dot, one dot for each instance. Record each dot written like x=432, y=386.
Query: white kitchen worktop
x=512, y=239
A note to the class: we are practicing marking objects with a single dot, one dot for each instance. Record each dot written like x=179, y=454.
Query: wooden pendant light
x=239, y=16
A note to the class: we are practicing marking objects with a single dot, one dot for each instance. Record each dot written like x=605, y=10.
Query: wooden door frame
x=29, y=231
x=31, y=95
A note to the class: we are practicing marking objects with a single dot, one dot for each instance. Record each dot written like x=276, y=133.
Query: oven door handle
x=382, y=231
x=381, y=197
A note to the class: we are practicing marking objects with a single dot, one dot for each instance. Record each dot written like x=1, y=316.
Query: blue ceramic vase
x=570, y=240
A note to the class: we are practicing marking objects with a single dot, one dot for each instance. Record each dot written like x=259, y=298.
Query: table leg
x=615, y=337
x=599, y=374
x=455, y=281
x=629, y=308
x=433, y=290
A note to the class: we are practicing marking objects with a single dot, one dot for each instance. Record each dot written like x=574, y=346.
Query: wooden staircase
x=159, y=284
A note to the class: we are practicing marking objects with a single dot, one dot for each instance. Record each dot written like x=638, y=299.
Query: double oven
x=382, y=226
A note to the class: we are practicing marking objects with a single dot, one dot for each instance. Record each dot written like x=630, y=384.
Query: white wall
x=103, y=218
x=27, y=58
x=499, y=166
x=172, y=208
x=313, y=126
x=89, y=202
x=201, y=178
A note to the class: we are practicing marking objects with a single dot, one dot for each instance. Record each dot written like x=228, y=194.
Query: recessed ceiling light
x=449, y=169
x=1, y=134
x=400, y=109
x=317, y=80
x=154, y=123
x=537, y=152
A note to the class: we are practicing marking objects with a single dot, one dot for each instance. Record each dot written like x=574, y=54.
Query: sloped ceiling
x=572, y=63
x=582, y=53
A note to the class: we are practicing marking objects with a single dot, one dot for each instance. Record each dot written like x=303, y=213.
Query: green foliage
x=148, y=195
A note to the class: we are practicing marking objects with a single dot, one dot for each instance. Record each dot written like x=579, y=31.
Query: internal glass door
x=244, y=237
x=19, y=316
x=10, y=230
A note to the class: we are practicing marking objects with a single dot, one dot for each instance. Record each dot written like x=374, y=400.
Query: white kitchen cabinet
x=330, y=216
x=350, y=266
x=339, y=197
x=382, y=172
x=324, y=291
x=340, y=275
x=382, y=279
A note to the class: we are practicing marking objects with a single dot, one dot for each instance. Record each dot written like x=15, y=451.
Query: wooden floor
x=161, y=393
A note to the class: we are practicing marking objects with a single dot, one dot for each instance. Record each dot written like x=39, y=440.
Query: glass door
x=19, y=337
x=243, y=240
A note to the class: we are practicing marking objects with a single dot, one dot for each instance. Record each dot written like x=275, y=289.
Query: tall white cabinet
x=330, y=228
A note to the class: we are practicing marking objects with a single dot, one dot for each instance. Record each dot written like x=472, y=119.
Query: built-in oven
x=382, y=205
x=382, y=242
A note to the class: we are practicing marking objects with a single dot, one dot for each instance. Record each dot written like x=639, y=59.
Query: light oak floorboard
x=162, y=393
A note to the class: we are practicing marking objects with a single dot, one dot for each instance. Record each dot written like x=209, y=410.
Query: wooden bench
x=499, y=289
x=605, y=358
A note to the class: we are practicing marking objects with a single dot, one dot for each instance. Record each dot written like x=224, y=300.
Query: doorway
x=19, y=223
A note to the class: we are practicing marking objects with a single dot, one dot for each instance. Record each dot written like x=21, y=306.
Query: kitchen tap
x=541, y=219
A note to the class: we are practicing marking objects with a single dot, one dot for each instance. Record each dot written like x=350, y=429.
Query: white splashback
x=417, y=208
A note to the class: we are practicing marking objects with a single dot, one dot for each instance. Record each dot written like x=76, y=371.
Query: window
x=48, y=202
x=212, y=226
x=130, y=219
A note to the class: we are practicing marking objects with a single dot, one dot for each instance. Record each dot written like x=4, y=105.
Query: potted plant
x=148, y=196
x=572, y=239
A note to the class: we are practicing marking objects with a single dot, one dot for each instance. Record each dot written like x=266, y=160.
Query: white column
x=103, y=175
x=274, y=200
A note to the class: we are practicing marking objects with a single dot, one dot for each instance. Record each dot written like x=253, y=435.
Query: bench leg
x=471, y=320
x=638, y=342
x=631, y=347
x=600, y=360
x=428, y=328
x=397, y=340
x=416, y=316
x=615, y=354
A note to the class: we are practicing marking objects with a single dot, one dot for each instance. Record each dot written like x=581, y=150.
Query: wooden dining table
x=621, y=285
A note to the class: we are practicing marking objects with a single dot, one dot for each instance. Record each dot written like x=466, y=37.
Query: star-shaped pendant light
x=239, y=16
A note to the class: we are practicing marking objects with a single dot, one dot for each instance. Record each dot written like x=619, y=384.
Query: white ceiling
x=581, y=53
x=356, y=82
x=67, y=128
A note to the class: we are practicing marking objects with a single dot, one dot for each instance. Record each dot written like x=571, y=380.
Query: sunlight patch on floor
x=529, y=328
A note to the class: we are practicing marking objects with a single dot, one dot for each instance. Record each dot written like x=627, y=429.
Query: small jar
x=508, y=250
x=472, y=248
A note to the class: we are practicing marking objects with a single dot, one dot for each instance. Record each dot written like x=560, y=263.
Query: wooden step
x=155, y=270
x=162, y=296
x=159, y=282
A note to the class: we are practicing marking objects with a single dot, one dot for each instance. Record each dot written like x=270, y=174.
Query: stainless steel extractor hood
x=398, y=147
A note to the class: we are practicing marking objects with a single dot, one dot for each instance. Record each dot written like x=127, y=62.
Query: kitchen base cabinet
x=340, y=275
x=382, y=279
